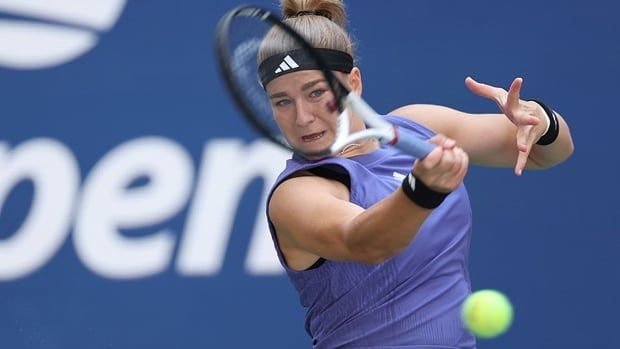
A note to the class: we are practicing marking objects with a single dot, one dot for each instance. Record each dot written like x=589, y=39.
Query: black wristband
x=554, y=126
x=420, y=194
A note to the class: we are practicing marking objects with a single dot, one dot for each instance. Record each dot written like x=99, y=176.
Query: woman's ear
x=354, y=80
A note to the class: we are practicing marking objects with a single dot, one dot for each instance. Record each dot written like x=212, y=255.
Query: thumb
x=430, y=161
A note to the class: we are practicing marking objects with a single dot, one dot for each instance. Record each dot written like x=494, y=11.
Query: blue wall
x=110, y=174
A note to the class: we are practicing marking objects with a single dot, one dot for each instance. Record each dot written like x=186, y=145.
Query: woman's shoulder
x=414, y=117
x=435, y=118
x=421, y=113
x=418, y=110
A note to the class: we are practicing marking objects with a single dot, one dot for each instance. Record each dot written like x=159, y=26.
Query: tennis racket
x=244, y=37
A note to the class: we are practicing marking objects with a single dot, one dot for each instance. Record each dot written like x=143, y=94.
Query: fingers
x=530, y=120
x=480, y=89
x=462, y=169
x=443, y=141
x=526, y=137
x=514, y=93
x=445, y=167
x=535, y=111
x=523, y=148
x=522, y=157
x=432, y=160
x=437, y=154
x=506, y=100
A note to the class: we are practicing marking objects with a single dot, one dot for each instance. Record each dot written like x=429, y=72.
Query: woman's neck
x=362, y=147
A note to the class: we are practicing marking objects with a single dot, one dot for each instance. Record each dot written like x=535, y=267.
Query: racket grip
x=411, y=143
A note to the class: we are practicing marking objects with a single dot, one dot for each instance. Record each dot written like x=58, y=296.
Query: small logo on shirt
x=398, y=176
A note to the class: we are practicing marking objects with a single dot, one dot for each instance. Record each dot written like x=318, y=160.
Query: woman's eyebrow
x=304, y=87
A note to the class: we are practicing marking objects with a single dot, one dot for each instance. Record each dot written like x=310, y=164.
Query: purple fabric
x=410, y=301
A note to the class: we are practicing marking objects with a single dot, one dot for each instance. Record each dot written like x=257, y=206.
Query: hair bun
x=331, y=9
x=313, y=13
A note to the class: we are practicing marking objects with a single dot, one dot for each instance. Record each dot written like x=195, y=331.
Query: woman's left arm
x=499, y=140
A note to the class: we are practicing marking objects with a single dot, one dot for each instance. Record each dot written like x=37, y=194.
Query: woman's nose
x=304, y=114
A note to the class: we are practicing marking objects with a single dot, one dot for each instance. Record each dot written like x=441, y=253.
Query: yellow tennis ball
x=487, y=313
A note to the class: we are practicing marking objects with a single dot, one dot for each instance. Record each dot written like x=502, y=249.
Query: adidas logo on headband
x=287, y=64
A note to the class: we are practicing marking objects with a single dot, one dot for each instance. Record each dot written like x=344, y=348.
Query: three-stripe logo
x=287, y=64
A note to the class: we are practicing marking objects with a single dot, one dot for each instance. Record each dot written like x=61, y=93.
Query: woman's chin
x=321, y=149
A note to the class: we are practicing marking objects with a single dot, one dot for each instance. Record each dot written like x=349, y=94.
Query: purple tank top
x=411, y=300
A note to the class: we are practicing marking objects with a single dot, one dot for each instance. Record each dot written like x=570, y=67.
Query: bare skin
x=347, y=232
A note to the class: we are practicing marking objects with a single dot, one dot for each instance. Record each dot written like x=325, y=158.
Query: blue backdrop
x=123, y=223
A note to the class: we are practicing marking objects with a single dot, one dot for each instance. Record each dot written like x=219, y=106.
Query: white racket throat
x=378, y=128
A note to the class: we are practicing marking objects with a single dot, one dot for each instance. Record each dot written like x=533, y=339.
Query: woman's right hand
x=444, y=168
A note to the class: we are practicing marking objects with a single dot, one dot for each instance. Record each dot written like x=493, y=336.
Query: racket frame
x=380, y=129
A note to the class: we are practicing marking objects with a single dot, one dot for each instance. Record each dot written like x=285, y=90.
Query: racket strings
x=244, y=43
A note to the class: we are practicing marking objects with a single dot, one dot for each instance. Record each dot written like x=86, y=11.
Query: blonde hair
x=320, y=22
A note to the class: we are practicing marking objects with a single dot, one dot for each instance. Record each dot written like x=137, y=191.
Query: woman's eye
x=317, y=93
x=282, y=102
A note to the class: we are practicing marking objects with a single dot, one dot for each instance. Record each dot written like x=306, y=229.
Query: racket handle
x=412, y=143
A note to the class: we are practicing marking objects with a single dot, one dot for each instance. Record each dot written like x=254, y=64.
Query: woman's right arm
x=314, y=218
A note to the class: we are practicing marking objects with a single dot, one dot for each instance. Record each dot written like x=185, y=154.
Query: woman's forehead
x=294, y=81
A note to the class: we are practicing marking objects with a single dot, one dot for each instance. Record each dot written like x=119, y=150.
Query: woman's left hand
x=529, y=117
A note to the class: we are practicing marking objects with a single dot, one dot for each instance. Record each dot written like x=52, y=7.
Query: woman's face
x=304, y=108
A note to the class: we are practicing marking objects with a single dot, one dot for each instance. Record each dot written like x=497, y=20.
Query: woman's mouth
x=312, y=137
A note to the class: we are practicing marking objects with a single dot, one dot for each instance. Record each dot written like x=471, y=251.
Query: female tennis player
x=375, y=241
